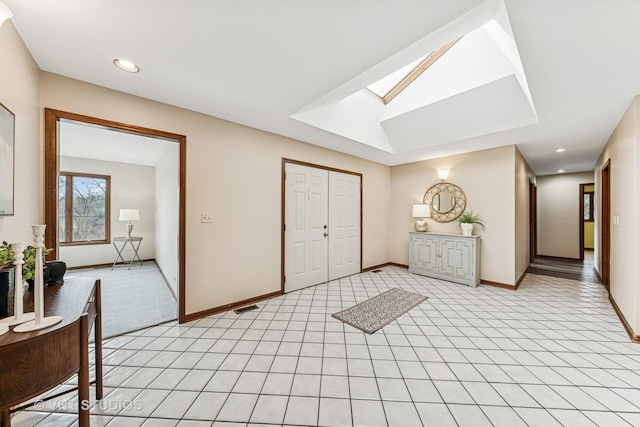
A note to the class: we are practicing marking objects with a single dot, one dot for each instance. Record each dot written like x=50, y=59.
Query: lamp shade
x=421, y=211
x=5, y=13
x=129, y=215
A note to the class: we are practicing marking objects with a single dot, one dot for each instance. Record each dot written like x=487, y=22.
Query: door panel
x=456, y=258
x=425, y=254
x=344, y=224
x=305, y=249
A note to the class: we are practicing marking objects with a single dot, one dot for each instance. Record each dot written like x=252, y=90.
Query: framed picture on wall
x=7, y=160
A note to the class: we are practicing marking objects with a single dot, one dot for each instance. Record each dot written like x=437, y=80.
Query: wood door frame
x=605, y=224
x=51, y=176
x=282, y=206
x=581, y=220
x=533, y=221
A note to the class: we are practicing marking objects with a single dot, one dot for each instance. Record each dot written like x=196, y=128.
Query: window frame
x=69, y=210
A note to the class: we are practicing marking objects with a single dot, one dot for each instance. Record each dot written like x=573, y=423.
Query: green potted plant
x=467, y=219
x=6, y=255
x=29, y=266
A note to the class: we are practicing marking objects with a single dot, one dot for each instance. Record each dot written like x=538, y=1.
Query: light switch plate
x=206, y=217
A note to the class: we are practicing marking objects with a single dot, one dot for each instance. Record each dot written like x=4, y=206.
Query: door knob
x=326, y=234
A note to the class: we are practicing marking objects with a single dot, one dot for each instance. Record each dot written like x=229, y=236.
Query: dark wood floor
x=565, y=268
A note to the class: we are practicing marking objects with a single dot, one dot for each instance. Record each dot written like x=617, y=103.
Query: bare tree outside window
x=83, y=208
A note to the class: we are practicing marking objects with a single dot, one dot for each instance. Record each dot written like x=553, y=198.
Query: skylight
x=383, y=86
x=388, y=87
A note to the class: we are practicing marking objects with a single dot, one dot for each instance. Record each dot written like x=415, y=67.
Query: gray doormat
x=376, y=312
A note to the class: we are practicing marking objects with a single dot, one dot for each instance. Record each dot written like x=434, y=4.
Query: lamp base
x=421, y=225
x=129, y=229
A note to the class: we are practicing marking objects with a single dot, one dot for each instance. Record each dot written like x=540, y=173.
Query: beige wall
x=229, y=167
x=19, y=92
x=488, y=180
x=167, y=176
x=622, y=150
x=559, y=214
x=523, y=176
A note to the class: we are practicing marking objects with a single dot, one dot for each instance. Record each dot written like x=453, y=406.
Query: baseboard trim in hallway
x=634, y=337
x=227, y=307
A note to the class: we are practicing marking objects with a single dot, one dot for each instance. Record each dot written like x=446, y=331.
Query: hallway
x=566, y=268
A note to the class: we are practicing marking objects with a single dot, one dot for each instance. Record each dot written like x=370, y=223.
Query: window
x=388, y=87
x=83, y=209
x=588, y=206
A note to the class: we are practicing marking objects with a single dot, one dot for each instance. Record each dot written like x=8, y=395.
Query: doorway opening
x=321, y=224
x=587, y=222
x=161, y=230
x=605, y=225
x=533, y=221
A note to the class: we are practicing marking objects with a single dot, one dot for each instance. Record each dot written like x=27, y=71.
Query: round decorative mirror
x=447, y=201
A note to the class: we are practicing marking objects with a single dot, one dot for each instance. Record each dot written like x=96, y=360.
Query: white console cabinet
x=451, y=257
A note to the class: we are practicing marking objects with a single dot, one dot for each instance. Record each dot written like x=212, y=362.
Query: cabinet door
x=457, y=258
x=423, y=253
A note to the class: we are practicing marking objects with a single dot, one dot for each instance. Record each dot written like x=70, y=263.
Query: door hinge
x=285, y=227
x=284, y=279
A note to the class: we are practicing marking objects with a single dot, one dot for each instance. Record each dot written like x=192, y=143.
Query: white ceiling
x=96, y=142
x=259, y=62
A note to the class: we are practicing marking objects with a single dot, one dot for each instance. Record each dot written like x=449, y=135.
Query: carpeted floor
x=132, y=299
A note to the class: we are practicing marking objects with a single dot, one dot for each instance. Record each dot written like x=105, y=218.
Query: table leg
x=97, y=326
x=119, y=256
x=5, y=418
x=83, y=374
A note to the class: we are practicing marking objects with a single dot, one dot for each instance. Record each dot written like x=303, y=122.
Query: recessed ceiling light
x=561, y=171
x=561, y=150
x=127, y=66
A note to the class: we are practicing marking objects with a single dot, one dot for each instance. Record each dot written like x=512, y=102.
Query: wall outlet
x=206, y=217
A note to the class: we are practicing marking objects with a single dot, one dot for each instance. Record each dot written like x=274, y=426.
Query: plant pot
x=467, y=228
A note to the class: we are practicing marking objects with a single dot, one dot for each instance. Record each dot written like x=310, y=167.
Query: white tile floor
x=551, y=354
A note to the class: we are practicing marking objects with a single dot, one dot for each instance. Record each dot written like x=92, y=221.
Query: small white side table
x=120, y=243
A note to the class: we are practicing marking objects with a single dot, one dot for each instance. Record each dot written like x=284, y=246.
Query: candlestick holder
x=40, y=321
x=18, y=311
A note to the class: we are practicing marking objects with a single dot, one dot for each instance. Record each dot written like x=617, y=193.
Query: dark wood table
x=32, y=363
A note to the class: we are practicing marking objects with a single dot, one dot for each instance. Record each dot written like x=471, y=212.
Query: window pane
x=587, y=206
x=62, y=201
x=89, y=208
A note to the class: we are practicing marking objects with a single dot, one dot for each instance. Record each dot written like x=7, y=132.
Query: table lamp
x=421, y=212
x=129, y=215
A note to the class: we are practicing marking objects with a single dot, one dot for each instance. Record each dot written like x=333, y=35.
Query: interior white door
x=344, y=224
x=306, y=221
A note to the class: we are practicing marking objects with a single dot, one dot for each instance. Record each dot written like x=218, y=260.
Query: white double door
x=322, y=226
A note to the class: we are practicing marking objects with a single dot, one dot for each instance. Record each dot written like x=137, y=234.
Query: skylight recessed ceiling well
x=442, y=94
x=383, y=86
x=388, y=87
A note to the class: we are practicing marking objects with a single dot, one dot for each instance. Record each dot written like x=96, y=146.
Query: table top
x=127, y=239
x=68, y=300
